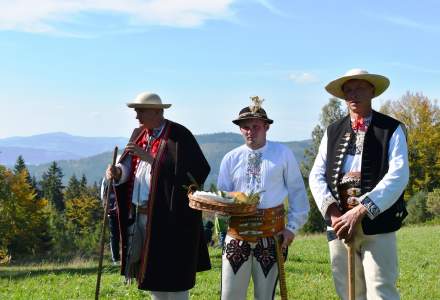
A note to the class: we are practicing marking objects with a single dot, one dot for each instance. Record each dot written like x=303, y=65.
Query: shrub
x=417, y=210
x=433, y=203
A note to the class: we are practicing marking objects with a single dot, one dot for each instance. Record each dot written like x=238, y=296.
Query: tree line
x=46, y=219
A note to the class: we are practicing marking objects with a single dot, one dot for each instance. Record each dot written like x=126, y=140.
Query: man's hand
x=345, y=225
x=136, y=150
x=288, y=237
x=333, y=212
x=113, y=172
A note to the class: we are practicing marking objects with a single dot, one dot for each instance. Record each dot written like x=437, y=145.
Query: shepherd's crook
x=280, y=264
x=351, y=264
x=104, y=225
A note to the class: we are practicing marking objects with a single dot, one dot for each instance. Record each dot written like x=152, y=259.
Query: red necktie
x=359, y=125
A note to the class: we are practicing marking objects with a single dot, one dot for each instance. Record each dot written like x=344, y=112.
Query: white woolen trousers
x=235, y=285
x=376, y=266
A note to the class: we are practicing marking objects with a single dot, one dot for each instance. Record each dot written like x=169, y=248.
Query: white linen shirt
x=276, y=177
x=387, y=190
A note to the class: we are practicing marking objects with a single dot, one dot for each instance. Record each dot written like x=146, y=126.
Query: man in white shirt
x=268, y=168
x=358, y=180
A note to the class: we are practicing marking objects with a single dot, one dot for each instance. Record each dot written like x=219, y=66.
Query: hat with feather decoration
x=254, y=111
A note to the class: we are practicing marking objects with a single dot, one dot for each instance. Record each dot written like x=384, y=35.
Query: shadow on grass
x=30, y=272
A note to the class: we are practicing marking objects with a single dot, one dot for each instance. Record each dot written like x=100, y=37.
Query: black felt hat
x=254, y=111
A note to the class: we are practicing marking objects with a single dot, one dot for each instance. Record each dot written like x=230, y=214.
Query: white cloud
x=404, y=22
x=303, y=78
x=410, y=23
x=44, y=16
x=269, y=6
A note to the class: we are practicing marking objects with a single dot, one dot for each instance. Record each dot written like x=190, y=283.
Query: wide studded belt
x=265, y=223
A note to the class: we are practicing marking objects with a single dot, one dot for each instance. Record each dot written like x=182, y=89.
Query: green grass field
x=307, y=273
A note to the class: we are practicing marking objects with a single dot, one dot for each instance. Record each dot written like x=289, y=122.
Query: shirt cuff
x=291, y=228
x=326, y=203
x=124, y=174
x=372, y=209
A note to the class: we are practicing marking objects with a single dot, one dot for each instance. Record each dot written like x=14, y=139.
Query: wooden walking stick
x=280, y=264
x=351, y=269
x=104, y=225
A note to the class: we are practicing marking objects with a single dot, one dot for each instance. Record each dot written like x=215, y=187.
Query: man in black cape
x=162, y=239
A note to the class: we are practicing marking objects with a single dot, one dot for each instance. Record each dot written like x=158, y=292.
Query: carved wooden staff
x=351, y=269
x=280, y=264
x=104, y=225
x=350, y=190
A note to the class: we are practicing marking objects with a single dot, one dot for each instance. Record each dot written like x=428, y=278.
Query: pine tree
x=73, y=189
x=35, y=186
x=95, y=191
x=20, y=166
x=52, y=187
x=83, y=185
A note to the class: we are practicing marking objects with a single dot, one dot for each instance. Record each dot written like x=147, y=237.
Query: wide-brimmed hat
x=379, y=82
x=147, y=100
x=254, y=111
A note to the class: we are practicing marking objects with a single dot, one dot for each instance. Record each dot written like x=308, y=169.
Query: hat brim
x=154, y=106
x=237, y=121
x=380, y=83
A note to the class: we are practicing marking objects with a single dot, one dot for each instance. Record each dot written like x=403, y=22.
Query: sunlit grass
x=307, y=273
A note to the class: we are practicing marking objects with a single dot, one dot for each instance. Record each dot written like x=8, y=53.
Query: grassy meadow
x=308, y=273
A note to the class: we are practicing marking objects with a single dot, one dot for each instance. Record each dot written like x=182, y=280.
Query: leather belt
x=265, y=223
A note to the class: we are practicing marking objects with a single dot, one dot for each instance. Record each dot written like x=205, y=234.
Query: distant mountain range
x=43, y=148
x=90, y=156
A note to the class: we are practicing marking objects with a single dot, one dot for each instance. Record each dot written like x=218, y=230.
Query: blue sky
x=72, y=65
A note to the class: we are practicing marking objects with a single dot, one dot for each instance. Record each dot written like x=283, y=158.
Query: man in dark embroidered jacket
x=162, y=239
x=358, y=180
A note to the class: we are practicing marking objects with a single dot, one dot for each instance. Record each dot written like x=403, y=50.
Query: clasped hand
x=138, y=151
x=345, y=225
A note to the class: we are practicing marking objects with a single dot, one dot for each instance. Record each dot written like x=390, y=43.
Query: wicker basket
x=229, y=209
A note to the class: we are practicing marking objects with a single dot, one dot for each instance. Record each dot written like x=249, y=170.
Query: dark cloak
x=175, y=248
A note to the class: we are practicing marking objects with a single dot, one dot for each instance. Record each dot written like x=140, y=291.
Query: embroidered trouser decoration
x=243, y=260
x=237, y=252
x=265, y=254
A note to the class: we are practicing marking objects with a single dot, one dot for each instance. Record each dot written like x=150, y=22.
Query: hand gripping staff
x=104, y=225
